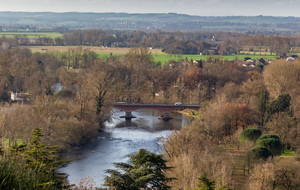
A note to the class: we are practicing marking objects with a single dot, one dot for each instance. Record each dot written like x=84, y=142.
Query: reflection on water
x=120, y=138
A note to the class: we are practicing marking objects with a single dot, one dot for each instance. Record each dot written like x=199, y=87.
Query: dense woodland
x=249, y=116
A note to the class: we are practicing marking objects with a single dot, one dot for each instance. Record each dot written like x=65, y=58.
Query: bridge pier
x=128, y=115
x=166, y=108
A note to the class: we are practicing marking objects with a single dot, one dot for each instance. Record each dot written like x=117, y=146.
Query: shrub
x=262, y=60
x=246, y=58
x=274, y=145
x=250, y=135
x=294, y=56
x=267, y=136
x=259, y=152
x=64, y=93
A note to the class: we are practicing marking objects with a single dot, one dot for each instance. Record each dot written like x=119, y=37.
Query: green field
x=31, y=35
x=164, y=58
x=157, y=54
x=288, y=153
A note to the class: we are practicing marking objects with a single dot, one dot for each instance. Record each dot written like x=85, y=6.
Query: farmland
x=96, y=49
x=158, y=55
x=163, y=58
x=31, y=35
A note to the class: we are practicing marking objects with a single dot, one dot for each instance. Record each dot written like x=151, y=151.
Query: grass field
x=158, y=55
x=289, y=153
x=98, y=50
x=31, y=35
x=166, y=57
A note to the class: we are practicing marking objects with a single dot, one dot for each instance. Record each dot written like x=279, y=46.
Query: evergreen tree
x=145, y=169
x=281, y=104
x=270, y=142
x=206, y=183
x=100, y=99
x=250, y=135
x=262, y=106
x=37, y=153
x=31, y=166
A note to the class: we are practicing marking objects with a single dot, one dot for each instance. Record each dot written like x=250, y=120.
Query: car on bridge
x=178, y=103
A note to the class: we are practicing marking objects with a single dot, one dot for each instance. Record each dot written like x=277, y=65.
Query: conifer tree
x=145, y=169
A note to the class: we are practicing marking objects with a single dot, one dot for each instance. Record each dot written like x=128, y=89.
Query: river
x=119, y=139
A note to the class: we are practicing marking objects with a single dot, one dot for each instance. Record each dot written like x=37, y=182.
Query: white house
x=19, y=96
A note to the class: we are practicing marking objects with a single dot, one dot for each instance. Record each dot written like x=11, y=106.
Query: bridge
x=165, y=108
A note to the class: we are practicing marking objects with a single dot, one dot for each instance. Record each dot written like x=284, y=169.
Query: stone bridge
x=165, y=108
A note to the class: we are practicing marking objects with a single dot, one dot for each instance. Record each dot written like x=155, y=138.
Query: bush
x=246, y=58
x=64, y=93
x=259, y=152
x=267, y=136
x=262, y=60
x=294, y=56
x=274, y=145
x=261, y=66
x=250, y=135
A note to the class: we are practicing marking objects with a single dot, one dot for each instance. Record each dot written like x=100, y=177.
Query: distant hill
x=151, y=21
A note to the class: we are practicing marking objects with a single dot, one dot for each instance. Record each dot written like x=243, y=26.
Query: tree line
x=171, y=42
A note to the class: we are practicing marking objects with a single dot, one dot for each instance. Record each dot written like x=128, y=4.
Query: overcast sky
x=191, y=7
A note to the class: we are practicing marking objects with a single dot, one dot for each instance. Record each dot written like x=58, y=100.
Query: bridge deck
x=128, y=106
x=166, y=108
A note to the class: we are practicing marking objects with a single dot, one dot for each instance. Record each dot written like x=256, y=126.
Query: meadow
x=31, y=35
x=163, y=58
x=158, y=55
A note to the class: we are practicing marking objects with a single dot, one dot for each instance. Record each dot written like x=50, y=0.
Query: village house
x=19, y=96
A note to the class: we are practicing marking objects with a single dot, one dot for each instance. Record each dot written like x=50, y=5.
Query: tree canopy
x=271, y=142
x=250, y=134
x=144, y=169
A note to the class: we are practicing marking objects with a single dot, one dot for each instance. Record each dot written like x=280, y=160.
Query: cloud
x=212, y=1
x=280, y=3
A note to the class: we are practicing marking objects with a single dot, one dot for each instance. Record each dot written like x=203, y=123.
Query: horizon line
x=62, y=12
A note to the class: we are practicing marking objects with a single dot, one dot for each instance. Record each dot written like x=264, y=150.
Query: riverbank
x=190, y=113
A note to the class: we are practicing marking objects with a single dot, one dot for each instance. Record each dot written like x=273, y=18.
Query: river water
x=119, y=139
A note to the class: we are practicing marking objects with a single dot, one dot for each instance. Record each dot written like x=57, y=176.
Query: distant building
x=19, y=96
